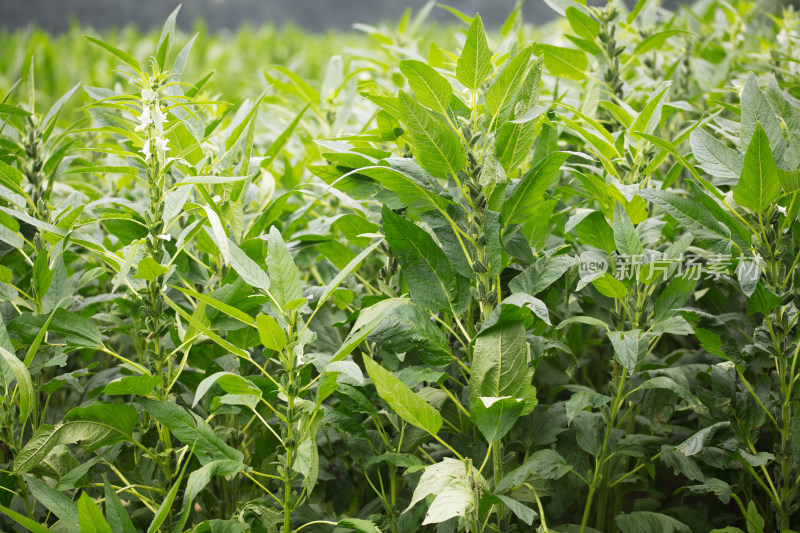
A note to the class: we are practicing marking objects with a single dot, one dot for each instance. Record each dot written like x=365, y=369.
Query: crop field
x=402, y=278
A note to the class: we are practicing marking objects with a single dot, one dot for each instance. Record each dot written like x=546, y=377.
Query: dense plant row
x=495, y=284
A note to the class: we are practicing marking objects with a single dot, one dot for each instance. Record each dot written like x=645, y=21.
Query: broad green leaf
x=500, y=366
x=582, y=24
x=494, y=417
x=138, y=385
x=583, y=399
x=543, y=464
x=116, y=514
x=346, y=271
x=431, y=88
x=507, y=84
x=57, y=503
x=368, y=320
x=430, y=276
x=451, y=482
x=541, y=274
x=692, y=215
x=649, y=522
x=191, y=430
x=475, y=62
x=229, y=382
x=528, y=196
x=271, y=334
x=439, y=150
x=713, y=335
x=27, y=394
x=626, y=347
x=94, y=426
x=24, y=521
x=648, y=118
x=625, y=236
x=695, y=444
x=655, y=40
x=359, y=524
x=673, y=297
x=409, y=327
x=593, y=230
x=197, y=481
x=406, y=403
x=285, y=284
x=563, y=62
x=412, y=185
x=758, y=185
x=714, y=157
x=667, y=383
x=90, y=517
x=149, y=270
x=755, y=110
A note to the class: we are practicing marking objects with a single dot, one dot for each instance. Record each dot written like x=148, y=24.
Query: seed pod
x=479, y=268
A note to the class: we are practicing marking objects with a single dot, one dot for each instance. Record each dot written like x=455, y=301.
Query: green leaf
x=409, y=327
x=149, y=270
x=191, y=430
x=27, y=394
x=247, y=269
x=65, y=509
x=412, y=185
x=582, y=24
x=346, y=271
x=583, y=399
x=563, y=62
x=625, y=236
x=439, y=150
x=756, y=109
x=667, y=383
x=593, y=230
x=24, y=521
x=138, y=385
x=475, y=62
x=609, y=286
x=656, y=40
x=713, y=335
x=271, y=334
x=674, y=296
x=368, y=320
x=197, y=481
x=405, y=402
x=430, y=276
x=695, y=217
x=359, y=524
x=166, y=504
x=116, y=514
x=285, y=284
x=500, y=366
x=124, y=56
x=543, y=464
x=94, y=426
x=648, y=118
x=695, y=444
x=507, y=84
x=542, y=274
x=758, y=185
x=762, y=301
x=525, y=200
x=431, y=88
x=626, y=347
x=714, y=157
x=649, y=522
x=90, y=517
x=451, y=482
x=229, y=382
x=494, y=417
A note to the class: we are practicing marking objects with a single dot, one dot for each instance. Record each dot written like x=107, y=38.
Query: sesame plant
x=409, y=277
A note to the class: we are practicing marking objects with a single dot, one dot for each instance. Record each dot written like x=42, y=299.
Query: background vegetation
x=404, y=278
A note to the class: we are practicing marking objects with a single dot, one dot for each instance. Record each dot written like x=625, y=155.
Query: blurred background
x=315, y=15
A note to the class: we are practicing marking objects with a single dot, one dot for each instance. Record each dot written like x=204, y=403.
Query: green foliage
x=432, y=279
